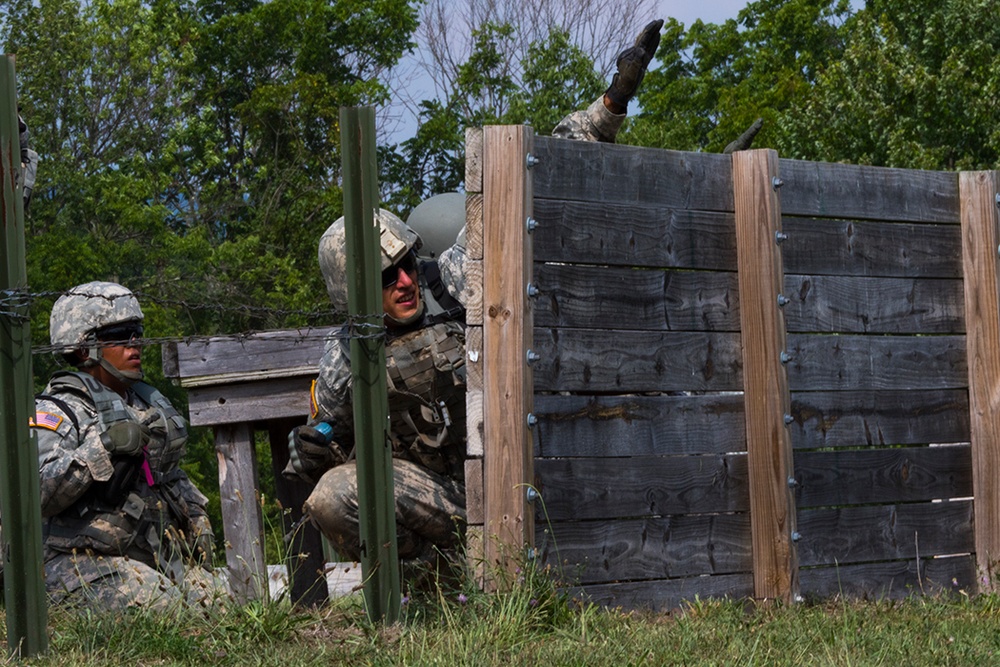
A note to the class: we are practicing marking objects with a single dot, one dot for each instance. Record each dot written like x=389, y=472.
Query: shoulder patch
x=45, y=420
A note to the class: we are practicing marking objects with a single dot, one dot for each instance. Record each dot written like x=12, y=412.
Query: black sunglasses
x=391, y=275
x=128, y=332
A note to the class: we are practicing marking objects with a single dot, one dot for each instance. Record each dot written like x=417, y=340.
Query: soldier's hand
x=309, y=450
x=125, y=438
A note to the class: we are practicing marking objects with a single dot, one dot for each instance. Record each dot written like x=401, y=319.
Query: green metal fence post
x=20, y=500
x=379, y=556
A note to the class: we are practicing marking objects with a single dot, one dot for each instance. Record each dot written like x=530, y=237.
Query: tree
x=915, y=88
x=715, y=80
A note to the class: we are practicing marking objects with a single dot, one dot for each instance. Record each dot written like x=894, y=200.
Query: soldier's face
x=401, y=299
x=124, y=357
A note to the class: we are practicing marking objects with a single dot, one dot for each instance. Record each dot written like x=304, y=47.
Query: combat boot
x=632, y=64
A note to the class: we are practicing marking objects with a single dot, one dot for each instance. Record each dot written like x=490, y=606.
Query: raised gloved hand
x=125, y=438
x=202, y=541
x=309, y=449
x=632, y=64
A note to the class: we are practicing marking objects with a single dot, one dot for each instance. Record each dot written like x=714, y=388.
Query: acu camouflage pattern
x=595, y=123
x=425, y=368
x=88, y=307
x=128, y=547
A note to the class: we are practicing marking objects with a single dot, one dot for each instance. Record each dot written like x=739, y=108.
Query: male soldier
x=123, y=524
x=425, y=361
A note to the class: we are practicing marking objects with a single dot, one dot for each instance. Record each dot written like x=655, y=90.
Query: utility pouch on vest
x=122, y=480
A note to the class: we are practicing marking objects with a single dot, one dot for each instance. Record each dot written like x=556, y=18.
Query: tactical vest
x=135, y=525
x=426, y=377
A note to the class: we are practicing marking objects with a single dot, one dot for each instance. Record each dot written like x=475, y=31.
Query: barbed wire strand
x=16, y=303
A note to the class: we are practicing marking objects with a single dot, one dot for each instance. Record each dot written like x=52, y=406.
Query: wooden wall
x=852, y=471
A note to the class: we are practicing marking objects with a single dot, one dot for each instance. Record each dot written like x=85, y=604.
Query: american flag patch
x=46, y=420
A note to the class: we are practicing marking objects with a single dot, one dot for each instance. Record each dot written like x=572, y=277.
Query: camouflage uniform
x=118, y=530
x=595, y=123
x=425, y=364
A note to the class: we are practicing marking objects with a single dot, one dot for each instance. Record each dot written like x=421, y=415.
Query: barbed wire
x=15, y=305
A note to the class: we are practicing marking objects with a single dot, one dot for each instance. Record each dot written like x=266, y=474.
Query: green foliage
x=915, y=88
x=715, y=80
x=556, y=77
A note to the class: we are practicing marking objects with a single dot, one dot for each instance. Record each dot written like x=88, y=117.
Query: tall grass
x=533, y=622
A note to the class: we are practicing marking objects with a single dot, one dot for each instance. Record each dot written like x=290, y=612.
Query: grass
x=533, y=623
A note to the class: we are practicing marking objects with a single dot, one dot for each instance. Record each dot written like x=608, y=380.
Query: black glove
x=125, y=438
x=309, y=451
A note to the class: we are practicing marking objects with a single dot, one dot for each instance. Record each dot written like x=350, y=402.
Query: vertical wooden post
x=304, y=557
x=376, y=497
x=20, y=495
x=507, y=381
x=241, y=512
x=978, y=193
x=769, y=451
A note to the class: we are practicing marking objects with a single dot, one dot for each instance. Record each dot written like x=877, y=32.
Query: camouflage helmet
x=89, y=307
x=395, y=238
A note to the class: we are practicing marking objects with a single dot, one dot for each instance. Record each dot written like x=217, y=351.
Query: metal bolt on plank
x=780, y=237
x=785, y=357
x=776, y=182
x=530, y=224
x=532, y=290
x=783, y=301
x=532, y=420
x=531, y=161
x=532, y=356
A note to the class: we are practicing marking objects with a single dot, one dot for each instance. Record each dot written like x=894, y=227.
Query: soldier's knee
x=333, y=507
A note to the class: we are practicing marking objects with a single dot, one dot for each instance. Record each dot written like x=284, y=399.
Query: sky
x=399, y=124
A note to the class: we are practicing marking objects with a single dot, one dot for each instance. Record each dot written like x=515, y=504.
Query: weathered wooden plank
x=891, y=580
x=579, y=489
x=622, y=361
x=249, y=401
x=858, y=248
x=638, y=299
x=474, y=159
x=873, y=305
x=296, y=349
x=896, y=475
x=884, y=532
x=982, y=302
x=474, y=511
x=654, y=548
x=769, y=447
x=242, y=519
x=474, y=225
x=639, y=425
x=629, y=174
x=851, y=191
x=507, y=332
x=834, y=362
x=472, y=292
x=865, y=418
x=663, y=595
x=669, y=300
x=598, y=232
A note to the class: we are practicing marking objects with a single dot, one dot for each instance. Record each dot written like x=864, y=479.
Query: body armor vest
x=135, y=521
x=425, y=369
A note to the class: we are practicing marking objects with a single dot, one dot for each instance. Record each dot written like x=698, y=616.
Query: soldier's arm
x=331, y=396
x=70, y=455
